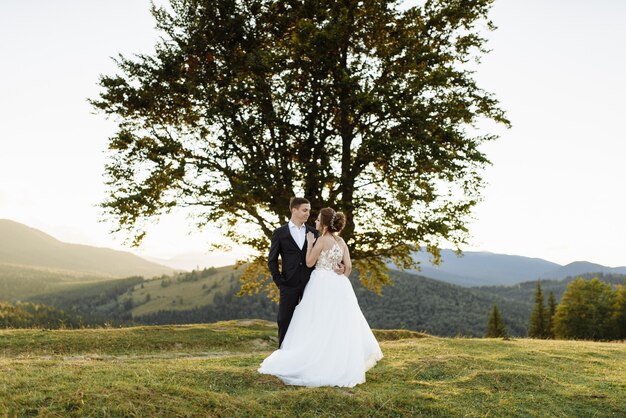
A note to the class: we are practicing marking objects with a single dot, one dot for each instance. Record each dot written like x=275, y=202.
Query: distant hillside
x=195, y=260
x=485, y=268
x=24, y=246
x=95, y=302
x=526, y=291
x=482, y=268
x=581, y=267
x=20, y=283
x=413, y=302
x=423, y=304
x=199, y=296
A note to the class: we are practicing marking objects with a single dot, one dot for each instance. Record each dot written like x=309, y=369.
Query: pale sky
x=555, y=189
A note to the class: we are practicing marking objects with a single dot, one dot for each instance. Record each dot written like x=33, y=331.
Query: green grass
x=191, y=292
x=210, y=370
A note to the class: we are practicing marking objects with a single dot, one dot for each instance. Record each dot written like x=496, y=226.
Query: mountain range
x=25, y=247
x=21, y=245
x=486, y=268
x=98, y=281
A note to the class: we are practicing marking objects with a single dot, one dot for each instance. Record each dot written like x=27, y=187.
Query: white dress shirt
x=298, y=234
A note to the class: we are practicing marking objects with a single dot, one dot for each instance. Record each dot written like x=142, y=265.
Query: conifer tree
x=537, y=327
x=495, y=325
x=551, y=312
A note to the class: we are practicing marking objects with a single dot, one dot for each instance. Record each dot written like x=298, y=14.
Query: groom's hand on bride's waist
x=339, y=268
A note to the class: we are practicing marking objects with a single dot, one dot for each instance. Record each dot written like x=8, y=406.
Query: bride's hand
x=310, y=238
x=339, y=268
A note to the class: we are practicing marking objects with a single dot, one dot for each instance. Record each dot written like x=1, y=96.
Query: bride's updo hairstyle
x=334, y=221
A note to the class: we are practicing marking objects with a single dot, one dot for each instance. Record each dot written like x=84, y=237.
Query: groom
x=289, y=242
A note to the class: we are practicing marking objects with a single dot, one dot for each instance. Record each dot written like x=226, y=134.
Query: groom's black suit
x=294, y=276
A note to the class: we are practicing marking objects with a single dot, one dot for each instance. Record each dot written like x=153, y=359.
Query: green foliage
x=586, y=311
x=539, y=320
x=588, y=315
x=32, y=315
x=128, y=304
x=356, y=105
x=495, y=324
x=619, y=315
x=196, y=275
x=551, y=312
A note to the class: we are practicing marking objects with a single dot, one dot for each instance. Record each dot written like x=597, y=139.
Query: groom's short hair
x=295, y=202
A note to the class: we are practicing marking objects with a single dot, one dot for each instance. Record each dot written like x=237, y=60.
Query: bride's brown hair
x=334, y=221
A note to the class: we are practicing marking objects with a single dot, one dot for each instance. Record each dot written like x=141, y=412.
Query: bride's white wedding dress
x=329, y=342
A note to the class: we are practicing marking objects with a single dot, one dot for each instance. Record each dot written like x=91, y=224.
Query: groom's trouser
x=289, y=299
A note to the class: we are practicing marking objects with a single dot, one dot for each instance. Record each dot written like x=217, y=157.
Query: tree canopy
x=586, y=311
x=357, y=105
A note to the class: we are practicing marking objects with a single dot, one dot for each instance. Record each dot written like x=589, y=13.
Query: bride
x=328, y=342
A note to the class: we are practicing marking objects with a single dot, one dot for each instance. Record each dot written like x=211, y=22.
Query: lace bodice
x=328, y=258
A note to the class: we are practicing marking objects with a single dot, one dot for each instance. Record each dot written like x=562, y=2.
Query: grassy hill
x=178, y=292
x=185, y=291
x=413, y=302
x=29, y=247
x=210, y=370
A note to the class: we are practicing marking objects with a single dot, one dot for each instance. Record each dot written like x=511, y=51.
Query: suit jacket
x=294, y=269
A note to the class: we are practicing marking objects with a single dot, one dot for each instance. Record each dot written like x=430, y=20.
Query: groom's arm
x=272, y=258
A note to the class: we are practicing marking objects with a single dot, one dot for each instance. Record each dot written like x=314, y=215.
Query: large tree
x=357, y=105
x=586, y=311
